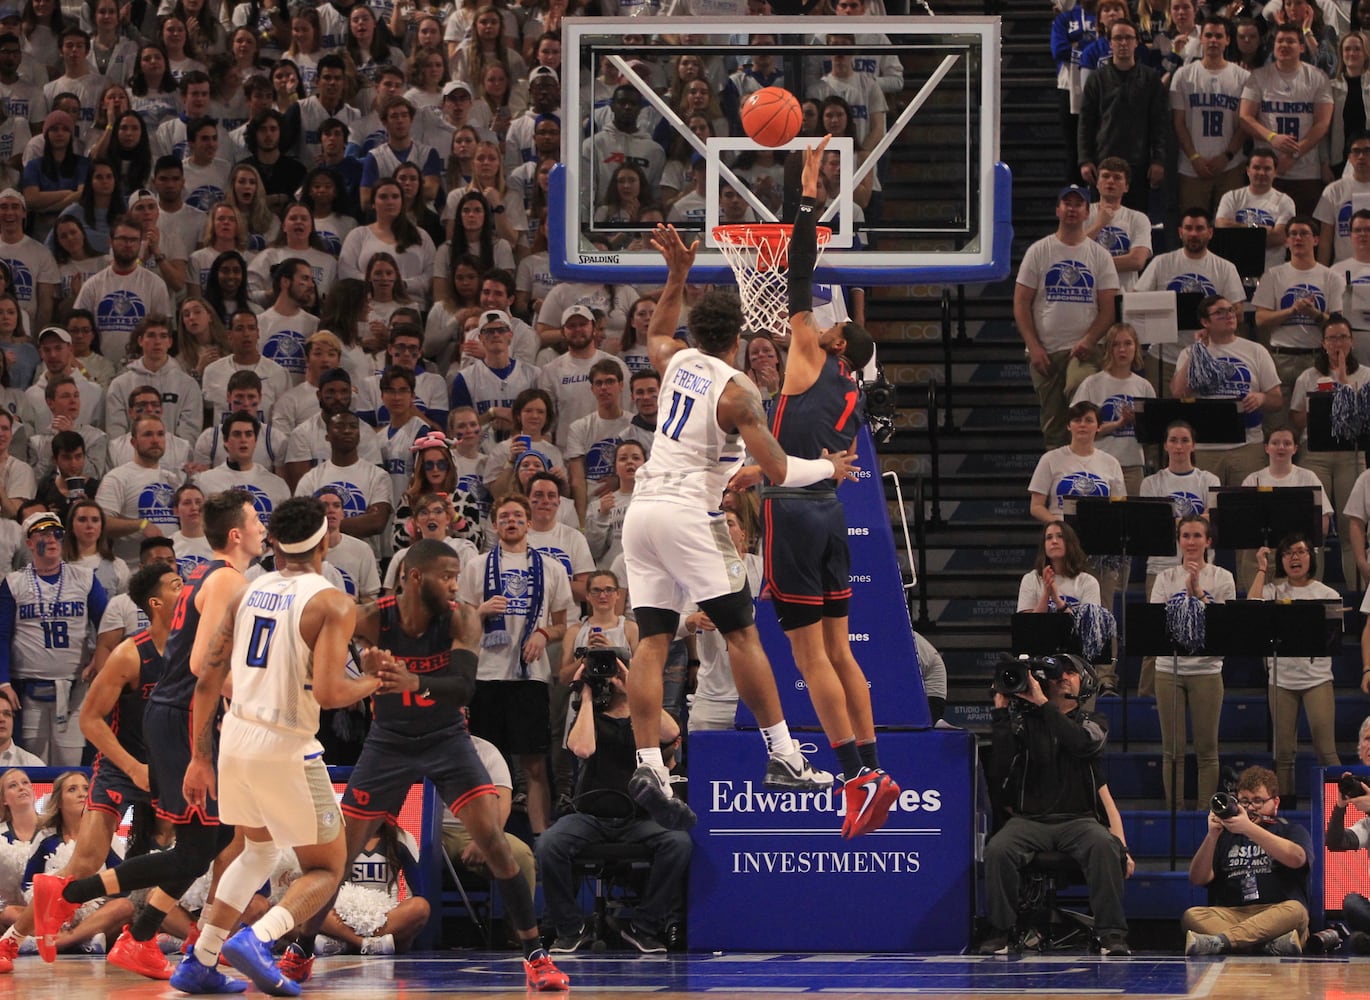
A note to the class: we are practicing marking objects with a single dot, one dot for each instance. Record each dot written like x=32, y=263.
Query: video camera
x=882, y=406
x=601, y=667
x=1011, y=676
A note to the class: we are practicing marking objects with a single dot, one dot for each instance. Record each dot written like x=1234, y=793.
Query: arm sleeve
x=803, y=256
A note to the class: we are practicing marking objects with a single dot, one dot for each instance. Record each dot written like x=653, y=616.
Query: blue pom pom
x=1349, y=410
x=1206, y=374
x=1184, y=620
x=1094, y=627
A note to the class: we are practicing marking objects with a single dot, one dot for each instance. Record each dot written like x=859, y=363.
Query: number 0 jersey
x=692, y=456
x=273, y=666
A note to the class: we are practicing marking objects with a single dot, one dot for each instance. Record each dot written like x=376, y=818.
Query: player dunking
x=285, y=638
x=428, y=671
x=112, y=719
x=675, y=541
x=807, y=561
x=235, y=535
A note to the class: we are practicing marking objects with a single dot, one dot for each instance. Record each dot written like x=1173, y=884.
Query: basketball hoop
x=758, y=253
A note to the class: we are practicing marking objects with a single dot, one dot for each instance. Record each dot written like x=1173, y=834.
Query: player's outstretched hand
x=679, y=257
x=844, y=463
x=396, y=677
x=198, y=786
x=813, y=165
x=375, y=660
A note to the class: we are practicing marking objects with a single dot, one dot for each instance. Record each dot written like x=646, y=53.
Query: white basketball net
x=759, y=257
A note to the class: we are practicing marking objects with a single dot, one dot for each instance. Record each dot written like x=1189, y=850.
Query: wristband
x=807, y=471
x=545, y=634
x=1195, y=156
x=1270, y=136
x=691, y=663
x=142, y=525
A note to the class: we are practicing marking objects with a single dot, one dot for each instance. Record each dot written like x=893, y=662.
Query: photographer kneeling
x=1255, y=864
x=602, y=737
x=1046, y=752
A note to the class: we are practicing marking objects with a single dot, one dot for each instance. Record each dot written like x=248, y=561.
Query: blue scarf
x=496, y=634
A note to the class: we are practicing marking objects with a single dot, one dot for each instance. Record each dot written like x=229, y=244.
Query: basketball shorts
x=167, y=728
x=276, y=782
x=807, y=559
x=677, y=556
x=111, y=790
x=390, y=763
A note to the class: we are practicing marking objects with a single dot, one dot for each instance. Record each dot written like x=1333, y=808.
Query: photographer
x=1352, y=789
x=602, y=737
x=1045, y=765
x=1255, y=864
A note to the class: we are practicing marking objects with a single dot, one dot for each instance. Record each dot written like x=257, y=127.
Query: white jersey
x=1288, y=105
x=692, y=456
x=51, y=621
x=273, y=667
x=1211, y=102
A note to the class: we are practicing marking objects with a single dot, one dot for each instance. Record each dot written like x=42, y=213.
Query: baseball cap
x=1075, y=189
x=55, y=331
x=336, y=375
x=41, y=521
x=577, y=310
x=9, y=13
x=142, y=194
x=543, y=71
x=455, y=86
x=495, y=317
x=10, y=194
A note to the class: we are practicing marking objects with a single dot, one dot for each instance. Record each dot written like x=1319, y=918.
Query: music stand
x=1136, y=526
x=1036, y=634
x=1320, y=436
x=1215, y=421
x=1244, y=246
x=1273, y=629
x=1249, y=517
x=1152, y=636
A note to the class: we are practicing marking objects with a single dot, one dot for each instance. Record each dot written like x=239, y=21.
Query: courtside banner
x=879, y=629
x=771, y=871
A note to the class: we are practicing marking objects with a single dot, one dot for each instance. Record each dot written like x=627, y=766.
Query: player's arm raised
x=740, y=408
x=121, y=670
x=661, y=342
x=327, y=624
x=806, y=355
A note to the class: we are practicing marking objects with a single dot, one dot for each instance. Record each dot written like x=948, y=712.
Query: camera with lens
x=1351, y=786
x=1224, y=805
x=601, y=667
x=1011, y=676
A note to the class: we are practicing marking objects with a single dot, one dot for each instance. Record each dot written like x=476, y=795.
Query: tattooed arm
x=199, y=784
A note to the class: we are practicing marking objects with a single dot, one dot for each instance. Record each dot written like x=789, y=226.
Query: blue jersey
x=427, y=655
x=826, y=415
x=176, y=686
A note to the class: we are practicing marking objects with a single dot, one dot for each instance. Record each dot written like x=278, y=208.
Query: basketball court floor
x=834, y=977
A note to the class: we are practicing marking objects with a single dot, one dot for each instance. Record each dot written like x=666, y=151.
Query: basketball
x=772, y=116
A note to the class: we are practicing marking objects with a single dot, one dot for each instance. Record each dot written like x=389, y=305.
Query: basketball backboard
x=928, y=202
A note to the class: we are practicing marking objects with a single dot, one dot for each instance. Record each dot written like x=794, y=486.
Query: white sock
x=274, y=925
x=209, y=944
x=778, y=742
x=651, y=757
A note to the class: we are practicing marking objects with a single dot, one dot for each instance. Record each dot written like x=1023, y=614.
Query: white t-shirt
x=1307, y=383
x=503, y=663
x=120, y=302
x=281, y=339
x=1113, y=394
x=1334, y=212
x=1247, y=365
x=1299, y=673
x=1274, y=208
x=1188, y=492
x=1128, y=229
x=1082, y=589
x=1296, y=477
x=1281, y=286
x=1215, y=582
x=1178, y=272
x=1066, y=281
x=1061, y=473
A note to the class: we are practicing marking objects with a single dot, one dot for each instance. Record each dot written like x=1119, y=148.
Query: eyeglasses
x=1297, y=550
x=441, y=465
x=430, y=512
x=602, y=591
x=1229, y=311
x=404, y=348
x=57, y=534
x=1252, y=803
x=1361, y=151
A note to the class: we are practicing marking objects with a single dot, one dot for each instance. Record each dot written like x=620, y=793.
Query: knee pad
x=247, y=873
x=730, y=612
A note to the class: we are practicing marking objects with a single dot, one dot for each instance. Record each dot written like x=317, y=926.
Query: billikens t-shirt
x=1244, y=875
x=1061, y=473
